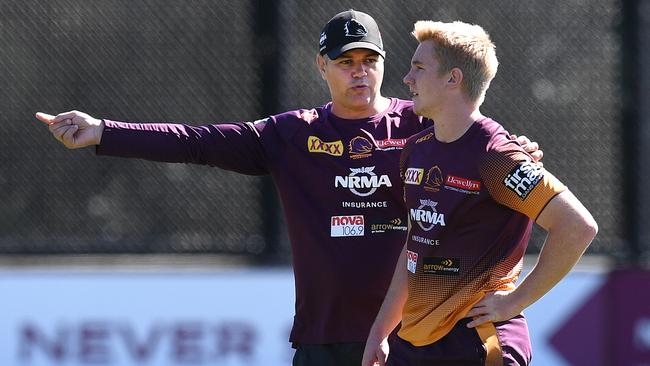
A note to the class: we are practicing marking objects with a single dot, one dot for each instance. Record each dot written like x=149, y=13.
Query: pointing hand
x=74, y=129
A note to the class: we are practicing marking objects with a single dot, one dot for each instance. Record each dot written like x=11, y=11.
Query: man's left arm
x=571, y=228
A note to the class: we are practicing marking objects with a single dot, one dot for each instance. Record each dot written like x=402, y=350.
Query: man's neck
x=452, y=124
x=380, y=104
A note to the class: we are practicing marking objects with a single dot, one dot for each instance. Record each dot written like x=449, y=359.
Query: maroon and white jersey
x=471, y=203
x=340, y=187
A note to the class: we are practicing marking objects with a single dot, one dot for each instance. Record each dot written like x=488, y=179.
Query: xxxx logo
x=316, y=145
x=413, y=176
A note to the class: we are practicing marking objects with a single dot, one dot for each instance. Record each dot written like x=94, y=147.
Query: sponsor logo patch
x=426, y=137
x=321, y=41
x=413, y=176
x=378, y=226
x=316, y=145
x=369, y=204
x=441, y=266
x=524, y=178
x=412, y=261
x=390, y=144
x=362, y=181
x=360, y=147
x=426, y=215
x=462, y=185
x=352, y=225
x=431, y=242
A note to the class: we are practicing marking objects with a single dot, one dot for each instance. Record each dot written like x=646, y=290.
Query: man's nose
x=407, y=79
x=360, y=70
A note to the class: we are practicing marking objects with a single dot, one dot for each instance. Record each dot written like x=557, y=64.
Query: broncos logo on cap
x=355, y=29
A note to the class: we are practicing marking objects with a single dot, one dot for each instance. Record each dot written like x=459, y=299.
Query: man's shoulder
x=494, y=134
x=302, y=115
x=288, y=123
x=490, y=126
x=420, y=137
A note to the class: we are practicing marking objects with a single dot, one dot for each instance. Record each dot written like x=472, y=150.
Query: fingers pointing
x=49, y=119
x=45, y=118
x=66, y=115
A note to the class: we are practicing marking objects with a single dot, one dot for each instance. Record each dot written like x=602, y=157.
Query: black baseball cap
x=349, y=30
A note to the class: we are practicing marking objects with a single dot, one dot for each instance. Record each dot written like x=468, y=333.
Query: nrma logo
x=362, y=181
x=426, y=215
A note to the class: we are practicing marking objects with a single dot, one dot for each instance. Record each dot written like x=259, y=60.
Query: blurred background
x=573, y=76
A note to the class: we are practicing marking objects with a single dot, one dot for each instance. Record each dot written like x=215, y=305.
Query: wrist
x=99, y=132
x=520, y=299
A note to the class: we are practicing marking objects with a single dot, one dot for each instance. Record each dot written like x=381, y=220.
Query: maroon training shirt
x=340, y=187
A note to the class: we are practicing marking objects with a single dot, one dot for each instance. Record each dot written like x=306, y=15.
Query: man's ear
x=455, y=76
x=320, y=63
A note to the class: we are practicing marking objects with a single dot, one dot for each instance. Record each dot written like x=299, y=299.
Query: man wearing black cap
x=335, y=168
x=349, y=30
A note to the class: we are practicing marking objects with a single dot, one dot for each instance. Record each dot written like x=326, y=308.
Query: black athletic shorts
x=503, y=343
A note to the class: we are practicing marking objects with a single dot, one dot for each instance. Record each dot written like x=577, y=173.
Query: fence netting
x=198, y=62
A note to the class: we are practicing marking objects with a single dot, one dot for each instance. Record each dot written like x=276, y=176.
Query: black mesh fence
x=147, y=61
x=199, y=62
x=558, y=82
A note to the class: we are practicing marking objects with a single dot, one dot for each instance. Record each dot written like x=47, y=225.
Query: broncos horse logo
x=434, y=180
x=355, y=29
x=360, y=147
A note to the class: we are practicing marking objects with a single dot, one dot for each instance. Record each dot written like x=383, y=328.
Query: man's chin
x=361, y=101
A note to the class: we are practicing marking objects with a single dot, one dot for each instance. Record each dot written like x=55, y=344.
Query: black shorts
x=334, y=354
x=503, y=343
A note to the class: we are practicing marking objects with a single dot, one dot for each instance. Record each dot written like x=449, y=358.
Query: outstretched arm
x=74, y=129
x=233, y=146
